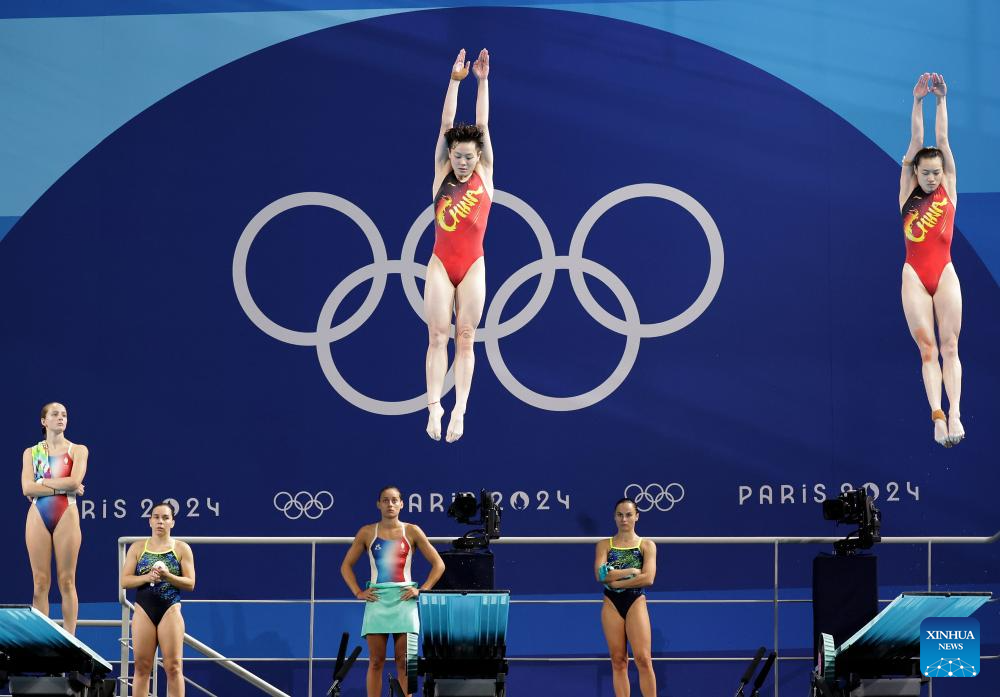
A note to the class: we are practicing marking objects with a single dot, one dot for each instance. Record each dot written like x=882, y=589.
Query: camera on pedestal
x=845, y=584
x=469, y=564
x=464, y=618
x=855, y=507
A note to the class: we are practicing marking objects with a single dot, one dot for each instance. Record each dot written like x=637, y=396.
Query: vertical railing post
x=123, y=672
x=774, y=668
x=930, y=587
x=930, y=566
x=156, y=672
x=312, y=614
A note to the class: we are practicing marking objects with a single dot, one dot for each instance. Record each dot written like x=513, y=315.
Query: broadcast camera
x=464, y=508
x=855, y=507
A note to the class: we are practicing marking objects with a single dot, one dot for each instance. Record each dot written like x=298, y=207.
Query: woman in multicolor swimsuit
x=388, y=595
x=52, y=477
x=927, y=200
x=456, y=273
x=626, y=565
x=159, y=569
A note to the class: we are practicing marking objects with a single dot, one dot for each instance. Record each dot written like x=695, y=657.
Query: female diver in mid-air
x=456, y=273
x=927, y=200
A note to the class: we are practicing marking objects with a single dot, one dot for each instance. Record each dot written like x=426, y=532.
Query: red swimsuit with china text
x=460, y=213
x=928, y=223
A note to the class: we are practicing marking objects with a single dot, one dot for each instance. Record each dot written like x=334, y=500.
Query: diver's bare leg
x=470, y=298
x=948, y=308
x=918, y=307
x=439, y=301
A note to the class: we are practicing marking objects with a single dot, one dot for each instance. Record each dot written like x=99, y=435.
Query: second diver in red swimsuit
x=928, y=196
x=456, y=273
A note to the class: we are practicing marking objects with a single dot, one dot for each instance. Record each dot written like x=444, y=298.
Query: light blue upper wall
x=6, y=223
x=68, y=82
x=860, y=59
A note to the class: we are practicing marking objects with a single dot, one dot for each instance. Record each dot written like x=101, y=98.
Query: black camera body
x=855, y=507
x=469, y=564
x=464, y=509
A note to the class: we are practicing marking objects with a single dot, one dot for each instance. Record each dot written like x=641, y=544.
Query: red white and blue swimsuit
x=928, y=225
x=390, y=559
x=390, y=614
x=51, y=508
x=461, y=210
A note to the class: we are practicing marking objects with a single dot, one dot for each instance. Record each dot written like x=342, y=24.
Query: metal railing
x=189, y=640
x=232, y=665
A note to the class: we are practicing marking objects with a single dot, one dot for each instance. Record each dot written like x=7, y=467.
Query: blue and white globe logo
x=949, y=647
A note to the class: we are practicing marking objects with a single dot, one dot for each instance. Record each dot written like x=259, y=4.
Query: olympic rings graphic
x=310, y=506
x=654, y=495
x=632, y=328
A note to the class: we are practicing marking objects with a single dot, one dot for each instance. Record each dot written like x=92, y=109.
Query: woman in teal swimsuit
x=626, y=565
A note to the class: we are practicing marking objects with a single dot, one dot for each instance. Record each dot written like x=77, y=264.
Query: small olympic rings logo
x=303, y=504
x=632, y=328
x=663, y=498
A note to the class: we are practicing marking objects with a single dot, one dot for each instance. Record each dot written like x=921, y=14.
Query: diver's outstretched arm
x=940, y=90
x=907, y=179
x=481, y=69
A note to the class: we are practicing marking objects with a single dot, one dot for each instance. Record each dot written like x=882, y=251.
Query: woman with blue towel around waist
x=390, y=595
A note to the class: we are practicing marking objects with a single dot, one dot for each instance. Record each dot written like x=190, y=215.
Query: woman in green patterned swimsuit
x=626, y=564
x=159, y=569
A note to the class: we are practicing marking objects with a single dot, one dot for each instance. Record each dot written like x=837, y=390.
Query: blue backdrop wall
x=199, y=261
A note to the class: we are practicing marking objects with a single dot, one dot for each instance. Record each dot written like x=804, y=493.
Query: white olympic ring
x=632, y=328
x=294, y=509
x=653, y=494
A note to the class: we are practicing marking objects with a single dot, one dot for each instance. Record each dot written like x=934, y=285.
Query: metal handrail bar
x=364, y=659
x=775, y=542
x=94, y=623
x=159, y=663
x=777, y=664
x=312, y=613
x=513, y=601
x=126, y=629
x=586, y=540
x=232, y=667
x=198, y=646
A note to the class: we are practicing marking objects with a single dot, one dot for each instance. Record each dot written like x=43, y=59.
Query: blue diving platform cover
x=895, y=632
x=32, y=643
x=464, y=624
